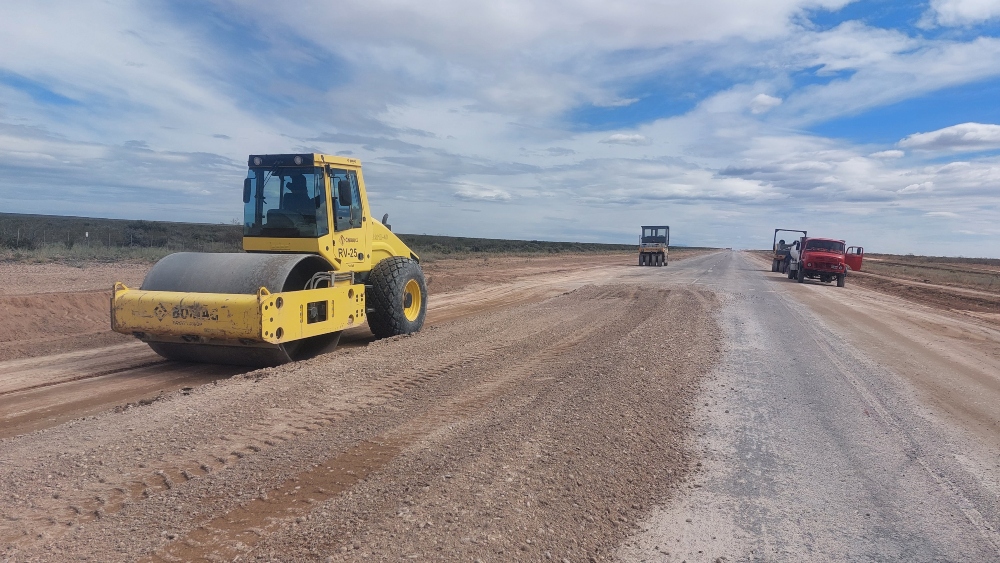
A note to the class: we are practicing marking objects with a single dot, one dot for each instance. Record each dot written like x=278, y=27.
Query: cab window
x=285, y=202
x=347, y=212
x=829, y=245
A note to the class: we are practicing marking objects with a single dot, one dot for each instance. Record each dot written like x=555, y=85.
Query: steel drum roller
x=196, y=272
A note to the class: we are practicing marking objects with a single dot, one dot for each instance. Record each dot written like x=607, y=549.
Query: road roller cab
x=316, y=263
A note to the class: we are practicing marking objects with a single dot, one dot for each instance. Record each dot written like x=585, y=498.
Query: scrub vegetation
x=973, y=273
x=48, y=238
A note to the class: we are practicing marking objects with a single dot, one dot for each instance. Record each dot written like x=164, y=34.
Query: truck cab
x=823, y=259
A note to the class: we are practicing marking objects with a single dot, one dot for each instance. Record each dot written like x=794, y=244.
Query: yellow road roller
x=316, y=263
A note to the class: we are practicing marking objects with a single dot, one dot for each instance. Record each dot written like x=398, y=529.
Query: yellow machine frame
x=266, y=318
x=275, y=318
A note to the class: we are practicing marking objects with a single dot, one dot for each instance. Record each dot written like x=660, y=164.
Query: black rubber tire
x=800, y=274
x=642, y=259
x=385, y=302
x=841, y=280
x=774, y=265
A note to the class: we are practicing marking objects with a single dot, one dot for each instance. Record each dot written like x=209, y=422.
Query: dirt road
x=840, y=424
x=60, y=360
x=704, y=411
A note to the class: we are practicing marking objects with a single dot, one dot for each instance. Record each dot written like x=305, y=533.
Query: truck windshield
x=828, y=245
x=654, y=234
x=286, y=202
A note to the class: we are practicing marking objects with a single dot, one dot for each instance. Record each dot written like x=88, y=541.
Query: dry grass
x=982, y=274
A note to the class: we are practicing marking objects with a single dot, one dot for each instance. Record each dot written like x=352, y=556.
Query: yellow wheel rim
x=412, y=300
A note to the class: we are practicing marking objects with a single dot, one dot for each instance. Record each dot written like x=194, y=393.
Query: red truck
x=824, y=259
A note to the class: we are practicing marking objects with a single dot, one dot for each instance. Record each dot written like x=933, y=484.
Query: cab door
x=853, y=257
x=350, y=238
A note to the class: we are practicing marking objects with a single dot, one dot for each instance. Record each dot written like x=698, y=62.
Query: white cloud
x=962, y=137
x=627, y=139
x=922, y=187
x=948, y=214
x=892, y=153
x=763, y=103
x=473, y=192
x=616, y=103
x=455, y=105
x=872, y=67
x=960, y=12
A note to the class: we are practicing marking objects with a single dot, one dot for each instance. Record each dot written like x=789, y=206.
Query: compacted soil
x=567, y=408
x=539, y=415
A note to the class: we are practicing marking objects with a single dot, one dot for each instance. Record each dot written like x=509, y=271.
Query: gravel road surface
x=543, y=423
x=705, y=411
x=813, y=450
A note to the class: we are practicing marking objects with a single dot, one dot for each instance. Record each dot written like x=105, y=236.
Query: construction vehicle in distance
x=823, y=259
x=780, y=259
x=316, y=263
x=654, y=245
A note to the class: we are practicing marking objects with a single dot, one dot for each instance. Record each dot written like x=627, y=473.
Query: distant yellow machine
x=654, y=244
x=316, y=263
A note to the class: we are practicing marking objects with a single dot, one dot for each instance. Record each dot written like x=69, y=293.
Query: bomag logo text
x=193, y=312
x=345, y=240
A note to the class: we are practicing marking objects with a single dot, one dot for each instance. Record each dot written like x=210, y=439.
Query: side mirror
x=247, y=185
x=344, y=193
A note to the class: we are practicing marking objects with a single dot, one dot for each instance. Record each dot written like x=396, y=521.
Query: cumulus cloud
x=960, y=12
x=616, y=103
x=492, y=103
x=962, y=137
x=892, y=153
x=763, y=103
x=627, y=139
x=922, y=187
x=870, y=67
x=471, y=192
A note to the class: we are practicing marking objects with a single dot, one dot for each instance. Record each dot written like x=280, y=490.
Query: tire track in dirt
x=68, y=395
x=563, y=502
x=230, y=535
x=106, y=497
x=290, y=431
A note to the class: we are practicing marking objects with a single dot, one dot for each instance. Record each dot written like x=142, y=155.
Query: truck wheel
x=800, y=274
x=397, y=297
x=841, y=279
x=642, y=259
x=790, y=273
x=774, y=265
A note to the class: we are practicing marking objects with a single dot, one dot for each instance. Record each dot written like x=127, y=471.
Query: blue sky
x=875, y=121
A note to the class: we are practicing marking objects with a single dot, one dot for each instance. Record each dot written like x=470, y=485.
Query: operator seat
x=297, y=199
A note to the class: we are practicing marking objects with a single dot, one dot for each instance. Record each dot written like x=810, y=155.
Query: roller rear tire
x=396, y=297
